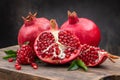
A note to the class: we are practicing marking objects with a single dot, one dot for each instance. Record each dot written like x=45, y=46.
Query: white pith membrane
x=60, y=46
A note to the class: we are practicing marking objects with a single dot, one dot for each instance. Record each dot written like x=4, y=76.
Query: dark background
x=105, y=13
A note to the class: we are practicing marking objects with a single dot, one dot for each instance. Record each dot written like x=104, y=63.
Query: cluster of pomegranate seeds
x=93, y=56
x=67, y=38
x=88, y=54
x=44, y=41
x=25, y=55
x=56, y=46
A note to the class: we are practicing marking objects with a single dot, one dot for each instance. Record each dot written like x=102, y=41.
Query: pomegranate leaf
x=73, y=66
x=80, y=63
x=76, y=64
x=10, y=54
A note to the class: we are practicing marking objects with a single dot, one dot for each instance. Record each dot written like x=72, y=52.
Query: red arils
x=93, y=56
x=86, y=30
x=34, y=65
x=56, y=46
x=10, y=60
x=17, y=66
x=25, y=55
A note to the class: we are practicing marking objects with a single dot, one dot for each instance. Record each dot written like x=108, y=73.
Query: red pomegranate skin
x=30, y=29
x=85, y=29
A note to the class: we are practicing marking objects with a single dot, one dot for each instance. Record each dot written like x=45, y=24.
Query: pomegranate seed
x=43, y=55
x=67, y=56
x=49, y=55
x=18, y=67
x=10, y=60
x=34, y=65
x=57, y=51
x=55, y=58
x=75, y=51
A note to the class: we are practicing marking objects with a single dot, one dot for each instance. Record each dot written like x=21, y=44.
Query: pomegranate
x=56, y=46
x=85, y=29
x=31, y=28
x=25, y=55
x=94, y=56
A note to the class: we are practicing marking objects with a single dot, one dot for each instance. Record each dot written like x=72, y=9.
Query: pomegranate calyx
x=30, y=18
x=73, y=18
x=53, y=24
x=111, y=57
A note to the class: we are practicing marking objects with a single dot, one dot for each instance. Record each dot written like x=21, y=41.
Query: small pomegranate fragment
x=94, y=56
x=56, y=46
x=25, y=55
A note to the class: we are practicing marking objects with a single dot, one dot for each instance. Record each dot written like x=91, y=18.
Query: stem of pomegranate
x=111, y=57
x=73, y=18
x=53, y=24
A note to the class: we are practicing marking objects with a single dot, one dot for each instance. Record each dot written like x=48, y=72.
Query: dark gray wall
x=105, y=13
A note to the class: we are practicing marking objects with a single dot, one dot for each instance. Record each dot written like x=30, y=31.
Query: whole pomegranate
x=86, y=30
x=94, y=56
x=56, y=46
x=31, y=28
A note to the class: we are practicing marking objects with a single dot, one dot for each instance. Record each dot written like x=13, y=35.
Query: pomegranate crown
x=30, y=18
x=72, y=16
x=53, y=24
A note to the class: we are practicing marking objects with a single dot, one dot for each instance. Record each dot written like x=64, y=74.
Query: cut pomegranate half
x=56, y=46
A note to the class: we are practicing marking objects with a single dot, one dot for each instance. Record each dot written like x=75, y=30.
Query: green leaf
x=10, y=54
x=81, y=64
x=76, y=64
x=73, y=66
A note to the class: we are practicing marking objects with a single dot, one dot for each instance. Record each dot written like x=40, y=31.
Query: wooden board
x=50, y=72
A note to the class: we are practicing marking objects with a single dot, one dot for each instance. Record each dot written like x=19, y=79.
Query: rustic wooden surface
x=50, y=72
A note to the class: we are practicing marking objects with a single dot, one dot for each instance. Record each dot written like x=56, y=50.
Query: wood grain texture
x=50, y=72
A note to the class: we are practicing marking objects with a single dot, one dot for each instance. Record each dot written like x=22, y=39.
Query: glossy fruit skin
x=31, y=28
x=56, y=46
x=85, y=29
